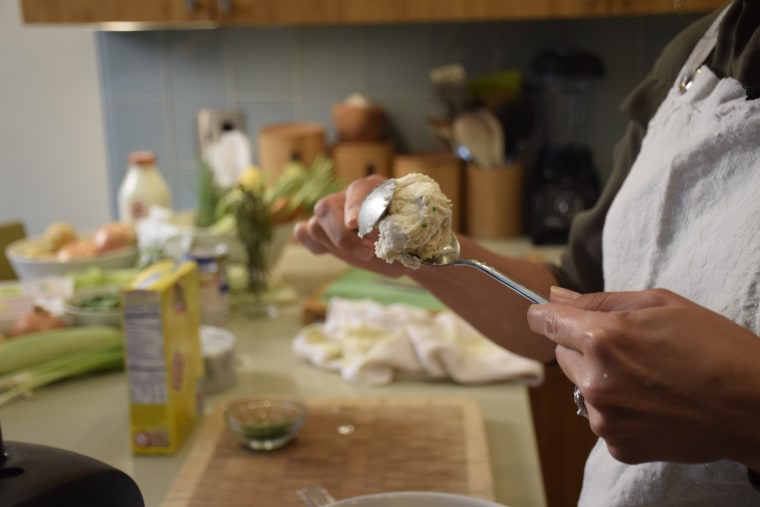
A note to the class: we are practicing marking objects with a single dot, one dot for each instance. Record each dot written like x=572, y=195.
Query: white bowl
x=32, y=267
x=414, y=499
x=282, y=234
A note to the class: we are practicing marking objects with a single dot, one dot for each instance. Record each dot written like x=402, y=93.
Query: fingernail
x=557, y=293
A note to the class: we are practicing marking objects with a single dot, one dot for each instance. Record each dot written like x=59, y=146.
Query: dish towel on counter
x=371, y=344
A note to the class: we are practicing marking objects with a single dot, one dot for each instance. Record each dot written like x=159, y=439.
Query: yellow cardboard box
x=164, y=361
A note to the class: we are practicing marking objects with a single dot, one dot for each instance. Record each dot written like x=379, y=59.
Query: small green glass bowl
x=265, y=422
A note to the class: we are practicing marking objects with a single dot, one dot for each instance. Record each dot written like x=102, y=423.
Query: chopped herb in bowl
x=265, y=422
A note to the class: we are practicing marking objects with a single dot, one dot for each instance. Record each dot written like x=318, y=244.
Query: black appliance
x=34, y=475
x=563, y=179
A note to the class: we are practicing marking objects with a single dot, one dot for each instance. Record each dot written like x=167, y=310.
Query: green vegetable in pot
x=100, y=302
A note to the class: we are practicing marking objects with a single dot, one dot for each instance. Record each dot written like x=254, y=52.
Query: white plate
x=414, y=499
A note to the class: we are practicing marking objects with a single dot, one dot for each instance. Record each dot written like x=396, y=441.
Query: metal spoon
x=315, y=496
x=375, y=207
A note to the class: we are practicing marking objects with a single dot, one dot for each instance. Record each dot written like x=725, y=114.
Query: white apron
x=687, y=219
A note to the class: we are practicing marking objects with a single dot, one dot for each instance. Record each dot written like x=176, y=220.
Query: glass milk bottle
x=142, y=187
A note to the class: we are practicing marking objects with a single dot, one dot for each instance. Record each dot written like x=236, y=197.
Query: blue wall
x=155, y=82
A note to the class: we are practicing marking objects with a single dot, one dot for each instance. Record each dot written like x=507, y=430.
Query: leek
x=35, y=348
x=47, y=357
x=208, y=197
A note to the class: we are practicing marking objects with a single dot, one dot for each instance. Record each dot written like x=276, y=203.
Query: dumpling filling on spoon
x=417, y=226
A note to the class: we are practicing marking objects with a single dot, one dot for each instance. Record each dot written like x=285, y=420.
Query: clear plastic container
x=142, y=187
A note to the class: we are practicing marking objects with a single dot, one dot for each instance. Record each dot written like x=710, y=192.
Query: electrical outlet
x=212, y=122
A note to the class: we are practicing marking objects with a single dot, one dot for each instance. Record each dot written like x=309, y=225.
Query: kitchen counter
x=90, y=415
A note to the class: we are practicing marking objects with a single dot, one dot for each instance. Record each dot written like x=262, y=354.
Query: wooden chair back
x=9, y=232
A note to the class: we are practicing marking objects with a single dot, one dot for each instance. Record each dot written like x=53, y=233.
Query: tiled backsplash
x=155, y=82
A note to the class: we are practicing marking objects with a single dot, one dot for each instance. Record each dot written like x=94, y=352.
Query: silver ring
x=580, y=402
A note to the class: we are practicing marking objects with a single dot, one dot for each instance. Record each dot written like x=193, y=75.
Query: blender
x=563, y=180
x=33, y=475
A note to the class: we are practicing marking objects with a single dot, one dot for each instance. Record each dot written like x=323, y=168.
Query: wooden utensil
x=472, y=132
x=496, y=138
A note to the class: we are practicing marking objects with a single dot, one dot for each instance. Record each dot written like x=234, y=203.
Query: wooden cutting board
x=351, y=446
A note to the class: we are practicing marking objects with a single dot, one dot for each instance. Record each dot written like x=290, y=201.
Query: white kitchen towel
x=371, y=344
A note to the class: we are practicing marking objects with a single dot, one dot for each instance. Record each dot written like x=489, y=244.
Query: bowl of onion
x=62, y=250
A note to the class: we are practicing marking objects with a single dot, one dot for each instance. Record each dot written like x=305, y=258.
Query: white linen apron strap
x=699, y=54
x=686, y=219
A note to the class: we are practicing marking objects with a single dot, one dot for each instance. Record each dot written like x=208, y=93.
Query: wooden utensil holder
x=494, y=201
x=445, y=169
x=353, y=160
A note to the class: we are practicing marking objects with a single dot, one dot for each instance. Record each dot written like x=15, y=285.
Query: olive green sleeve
x=581, y=267
x=581, y=262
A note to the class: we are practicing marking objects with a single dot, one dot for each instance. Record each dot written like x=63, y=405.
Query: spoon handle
x=502, y=278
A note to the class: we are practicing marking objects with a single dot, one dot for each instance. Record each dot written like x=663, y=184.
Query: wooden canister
x=353, y=160
x=494, y=201
x=281, y=143
x=444, y=168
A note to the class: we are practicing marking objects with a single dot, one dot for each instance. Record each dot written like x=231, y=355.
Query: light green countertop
x=90, y=415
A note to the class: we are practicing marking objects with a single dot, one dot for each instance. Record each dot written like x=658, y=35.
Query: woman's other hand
x=663, y=378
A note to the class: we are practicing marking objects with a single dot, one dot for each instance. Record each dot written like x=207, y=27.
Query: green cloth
x=357, y=284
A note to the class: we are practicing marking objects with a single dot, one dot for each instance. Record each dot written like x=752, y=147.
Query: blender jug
x=564, y=179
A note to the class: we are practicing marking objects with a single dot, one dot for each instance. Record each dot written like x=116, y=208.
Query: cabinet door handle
x=225, y=6
x=190, y=5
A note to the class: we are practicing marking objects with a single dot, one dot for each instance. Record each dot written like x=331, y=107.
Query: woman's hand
x=494, y=310
x=663, y=378
x=333, y=229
